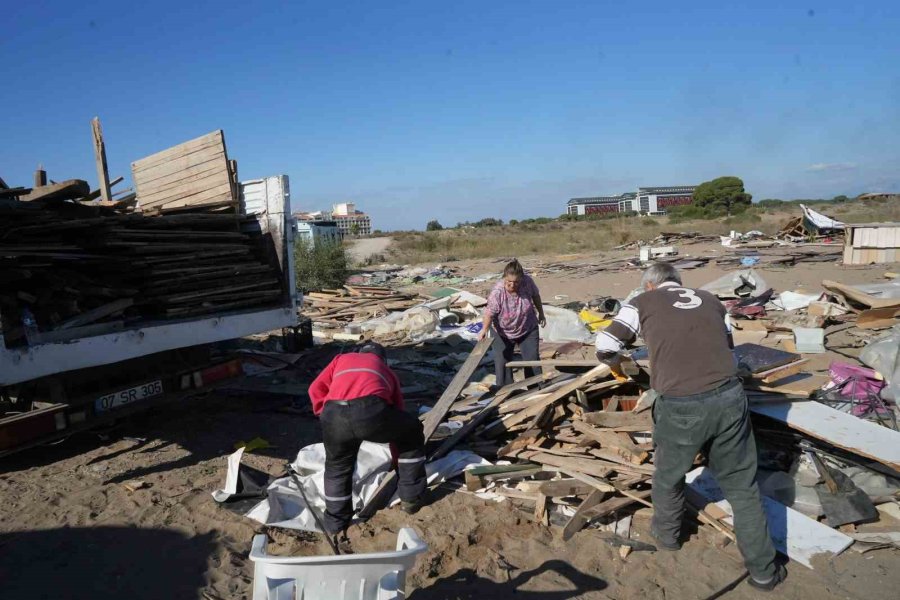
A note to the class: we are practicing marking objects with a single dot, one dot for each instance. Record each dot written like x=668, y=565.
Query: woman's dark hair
x=513, y=267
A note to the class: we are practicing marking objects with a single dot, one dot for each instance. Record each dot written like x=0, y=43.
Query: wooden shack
x=871, y=243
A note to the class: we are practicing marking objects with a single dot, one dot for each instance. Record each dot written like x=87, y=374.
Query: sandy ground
x=363, y=248
x=70, y=528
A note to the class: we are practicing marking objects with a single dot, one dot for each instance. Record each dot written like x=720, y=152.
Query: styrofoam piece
x=809, y=340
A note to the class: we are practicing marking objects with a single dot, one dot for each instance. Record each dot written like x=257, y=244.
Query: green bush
x=321, y=265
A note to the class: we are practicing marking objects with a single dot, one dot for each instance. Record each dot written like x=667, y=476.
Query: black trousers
x=503, y=353
x=345, y=426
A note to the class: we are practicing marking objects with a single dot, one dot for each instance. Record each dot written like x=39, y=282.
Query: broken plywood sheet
x=879, y=295
x=793, y=533
x=838, y=429
x=761, y=358
x=191, y=174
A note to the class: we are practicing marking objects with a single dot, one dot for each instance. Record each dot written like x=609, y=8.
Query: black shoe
x=780, y=575
x=668, y=546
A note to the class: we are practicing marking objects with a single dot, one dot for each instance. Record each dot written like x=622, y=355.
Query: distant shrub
x=321, y=265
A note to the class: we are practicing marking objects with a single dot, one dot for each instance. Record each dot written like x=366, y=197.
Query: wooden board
x=793, y=533
x=838, y=429
x=803, y=385
x=195, y=173
x=781, y=372
x=858, y=296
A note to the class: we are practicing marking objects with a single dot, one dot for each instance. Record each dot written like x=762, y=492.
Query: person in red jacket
x=357, y=398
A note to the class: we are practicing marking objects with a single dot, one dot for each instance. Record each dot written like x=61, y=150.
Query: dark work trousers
x=503, y=353
x=345, y=426
x=719, y=419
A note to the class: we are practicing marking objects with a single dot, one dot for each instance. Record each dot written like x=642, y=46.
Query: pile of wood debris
x=580, y=441
x=354, y=304
x=75, y=262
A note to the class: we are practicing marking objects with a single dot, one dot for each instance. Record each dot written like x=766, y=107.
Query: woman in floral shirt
x=514, y=311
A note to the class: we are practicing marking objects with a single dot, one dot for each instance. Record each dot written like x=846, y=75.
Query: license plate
x=128, y=396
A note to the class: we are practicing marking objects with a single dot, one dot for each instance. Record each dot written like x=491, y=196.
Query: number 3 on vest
x=691, y=300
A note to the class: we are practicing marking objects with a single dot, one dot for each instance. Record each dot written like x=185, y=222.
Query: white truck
x=56, y=388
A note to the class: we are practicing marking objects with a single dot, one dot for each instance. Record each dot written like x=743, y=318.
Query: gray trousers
x=719, y=422
x=503, y=353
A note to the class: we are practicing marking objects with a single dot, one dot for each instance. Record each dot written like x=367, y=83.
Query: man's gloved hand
x=614, y=361
x=743, y=371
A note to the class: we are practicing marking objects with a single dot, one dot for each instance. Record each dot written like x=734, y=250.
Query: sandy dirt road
x=363, y=248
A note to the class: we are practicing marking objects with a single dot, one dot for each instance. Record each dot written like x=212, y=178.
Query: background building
x=316, y=231
x=351, y=222
x=647, y=201
x=348, y=221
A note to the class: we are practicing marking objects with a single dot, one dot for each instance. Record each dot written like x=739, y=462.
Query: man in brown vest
x=701, y=406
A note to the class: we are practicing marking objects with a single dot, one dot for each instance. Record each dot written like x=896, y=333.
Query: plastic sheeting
x=564, y=326
x=284, y=506
x=740, y=284
x=883, y=355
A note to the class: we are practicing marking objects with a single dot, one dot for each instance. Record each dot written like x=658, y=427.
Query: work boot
x=411, y=507
x=768, y=586
x=342, y=542
x=662, y=543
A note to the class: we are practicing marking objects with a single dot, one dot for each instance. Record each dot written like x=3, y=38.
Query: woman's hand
x=542, y=320
x=483, y=333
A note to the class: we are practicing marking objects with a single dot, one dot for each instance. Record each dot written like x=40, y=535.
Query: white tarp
x=819, y=220
x=284, y=506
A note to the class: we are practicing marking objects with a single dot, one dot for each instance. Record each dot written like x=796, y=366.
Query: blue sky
x=464, y=110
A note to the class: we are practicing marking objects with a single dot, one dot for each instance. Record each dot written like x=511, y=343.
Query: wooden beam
x=96, y=314
x=40, y=177
x=436, y=415
x=70, y=189
x=596, y=373
x=100, y=158
x=569, y=464
x=579, y=519
x=612, y=440
x=482, y=416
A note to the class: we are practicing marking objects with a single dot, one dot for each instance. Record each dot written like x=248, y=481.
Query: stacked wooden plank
x=355, y=303
x=194, y=174
x=65, y=266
